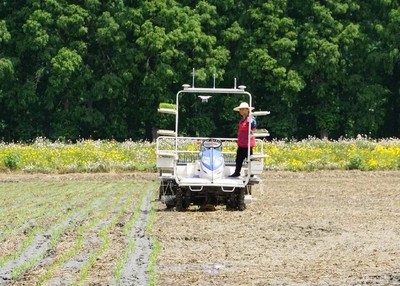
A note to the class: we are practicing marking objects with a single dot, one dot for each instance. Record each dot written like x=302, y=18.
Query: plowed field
x=319, y=228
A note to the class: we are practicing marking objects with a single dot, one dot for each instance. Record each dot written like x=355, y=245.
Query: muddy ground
x=319, y=228
x=64, y=261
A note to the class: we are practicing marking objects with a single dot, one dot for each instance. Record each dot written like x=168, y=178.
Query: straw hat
x=242, y=105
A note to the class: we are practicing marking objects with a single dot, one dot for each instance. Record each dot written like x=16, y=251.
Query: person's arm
x=253, y=122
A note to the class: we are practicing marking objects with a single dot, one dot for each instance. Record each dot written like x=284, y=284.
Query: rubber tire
x=240, y=200
x=179, y=206
x=231, y=204
x=170, y=205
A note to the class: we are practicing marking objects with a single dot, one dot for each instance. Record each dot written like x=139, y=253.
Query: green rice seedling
x=103, y=234
x=82, y=229
x=127, y=230
x=131, y=243
x=167, y=105
x=55, y=235
x=152, y=263
x=152, y=281
x=25, y=243
x=37, y=201
x=59, y=227
x=49, y=212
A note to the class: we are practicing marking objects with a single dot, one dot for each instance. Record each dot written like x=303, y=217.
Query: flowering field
x=92, y=156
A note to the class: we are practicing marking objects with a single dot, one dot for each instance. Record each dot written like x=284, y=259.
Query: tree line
x=99, y=69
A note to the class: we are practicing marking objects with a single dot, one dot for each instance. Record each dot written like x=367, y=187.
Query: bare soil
x=319, y=228
x=101, y=272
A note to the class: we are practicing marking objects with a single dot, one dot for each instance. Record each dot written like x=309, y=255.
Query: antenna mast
x=193, y=79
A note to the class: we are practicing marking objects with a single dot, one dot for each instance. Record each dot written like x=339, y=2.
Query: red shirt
x=243, y=132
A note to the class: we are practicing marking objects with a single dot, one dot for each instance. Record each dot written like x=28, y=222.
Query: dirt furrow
x=319, y=228
x=38, y=249
x=135, y=270
x=92, y=241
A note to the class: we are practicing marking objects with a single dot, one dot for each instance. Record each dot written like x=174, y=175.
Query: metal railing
x=187, y=149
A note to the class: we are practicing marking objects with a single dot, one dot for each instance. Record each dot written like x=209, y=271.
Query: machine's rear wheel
x=170, y=204
x=236, y=200
x=231, y=203
x=182, y=200
x=240, y=199
x=179, y=200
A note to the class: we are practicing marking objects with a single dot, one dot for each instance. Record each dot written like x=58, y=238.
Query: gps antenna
x=193, y=79
x=214, y=82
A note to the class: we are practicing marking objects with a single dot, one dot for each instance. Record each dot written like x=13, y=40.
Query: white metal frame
x=168, y=158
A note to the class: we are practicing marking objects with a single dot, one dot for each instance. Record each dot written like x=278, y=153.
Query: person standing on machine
x=245, y=123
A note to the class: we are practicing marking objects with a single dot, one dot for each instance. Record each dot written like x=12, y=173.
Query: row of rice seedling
x=151, y=268
x=127, y=230
x=106, y=254
x=55, y=229
x=42, y=205
x=54, y=233
x=87, y=228
x=104, y=156
x=103, y=233
x=25, y=221
x=81, y=211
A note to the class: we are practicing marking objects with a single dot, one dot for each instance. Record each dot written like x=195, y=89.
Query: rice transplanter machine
x=195, y=170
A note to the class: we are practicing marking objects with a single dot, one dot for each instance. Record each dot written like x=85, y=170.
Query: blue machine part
x=212, y=159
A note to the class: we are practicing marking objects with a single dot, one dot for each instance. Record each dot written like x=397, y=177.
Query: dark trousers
x=241, y=154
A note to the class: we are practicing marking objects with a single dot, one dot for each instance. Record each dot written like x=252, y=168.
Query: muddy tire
x=170, y=204
x=179, y=200
x=182, y=200
x=241, y=206
x=235, y=200
x=231, y=204
x=187, y=199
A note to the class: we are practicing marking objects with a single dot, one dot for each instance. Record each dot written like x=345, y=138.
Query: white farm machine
x=195, y=170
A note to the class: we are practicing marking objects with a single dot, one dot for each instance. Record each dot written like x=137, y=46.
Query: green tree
x=266, y=54
x=169, y=42
x=380, y=20
x=326, y=38
x=99, y=69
